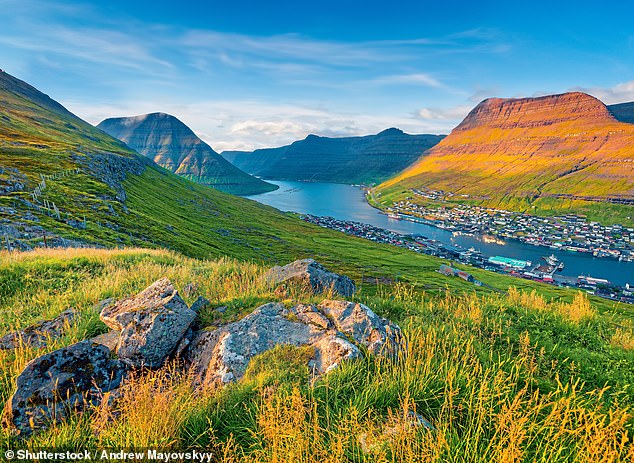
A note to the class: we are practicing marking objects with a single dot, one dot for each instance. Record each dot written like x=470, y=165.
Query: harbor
x=544, y=271
x=347, y=203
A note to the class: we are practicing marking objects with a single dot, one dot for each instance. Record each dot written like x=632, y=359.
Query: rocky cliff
x=368, y=159
x=528, y=150
x=173, y=145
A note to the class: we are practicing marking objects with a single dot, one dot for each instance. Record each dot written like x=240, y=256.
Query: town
x=512, y=267
x=568, y=232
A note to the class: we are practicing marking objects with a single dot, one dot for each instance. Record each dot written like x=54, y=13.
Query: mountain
x=173, y=145
x=353, y=160
x=623, y=112
x=546, y=154
x=64, y=182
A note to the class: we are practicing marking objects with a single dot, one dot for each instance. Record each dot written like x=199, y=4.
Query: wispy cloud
x=455, y=114
x=413, y=79
x=619, y=93
x=268, y=89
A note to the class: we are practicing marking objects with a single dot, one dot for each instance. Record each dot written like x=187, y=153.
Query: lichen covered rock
x=313, y=275
x=335, y=329
x=152, y=324
x=71, y=378
x=39, y=334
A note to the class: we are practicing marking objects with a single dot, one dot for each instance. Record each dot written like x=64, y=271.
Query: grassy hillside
x=532, y=372
x=548, y=155
x=515, y=377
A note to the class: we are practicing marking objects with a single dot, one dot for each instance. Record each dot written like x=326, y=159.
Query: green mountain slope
x=108, y=195
x=171, y=144
x=353, y=160
x=99, y=192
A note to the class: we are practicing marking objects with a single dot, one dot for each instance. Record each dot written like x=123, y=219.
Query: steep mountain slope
x=173, y=145
x=623, y=112
x=64, y=182
x=368, y=159
x=544, y=154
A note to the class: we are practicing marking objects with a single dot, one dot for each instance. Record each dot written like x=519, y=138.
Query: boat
x=394, y=216
x=554, y=262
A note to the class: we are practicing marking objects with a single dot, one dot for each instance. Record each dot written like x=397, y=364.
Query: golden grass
x=460, y=370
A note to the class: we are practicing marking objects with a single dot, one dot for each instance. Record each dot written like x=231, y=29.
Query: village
x=568, y=232
x=512, y=267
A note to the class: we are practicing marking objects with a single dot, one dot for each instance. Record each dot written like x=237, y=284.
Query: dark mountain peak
x=623, y=112
x=390, y=132
x=173, y=145
x=359, y=159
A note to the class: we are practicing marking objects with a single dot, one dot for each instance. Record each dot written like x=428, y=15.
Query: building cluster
x=471, y=256
x=569, y=233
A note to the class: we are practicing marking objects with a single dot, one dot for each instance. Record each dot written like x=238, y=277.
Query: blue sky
x=254, y=74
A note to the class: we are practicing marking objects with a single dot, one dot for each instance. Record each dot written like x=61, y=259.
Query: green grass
x=549, y=380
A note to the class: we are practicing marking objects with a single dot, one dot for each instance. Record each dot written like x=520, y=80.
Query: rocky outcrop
x=151, y=324
x=171, y=144
x=39, y=334
x=313, y=275
x=156, y=324
x=71, y=378
x=335, y=329
x=361, y=324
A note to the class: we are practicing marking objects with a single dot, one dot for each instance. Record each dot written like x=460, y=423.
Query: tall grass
x=504, y=378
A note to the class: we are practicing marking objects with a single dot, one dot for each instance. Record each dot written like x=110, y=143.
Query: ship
x=555, y=263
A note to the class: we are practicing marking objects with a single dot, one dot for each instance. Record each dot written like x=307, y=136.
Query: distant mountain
x=623, y=112
x=64, y=182
x=353, y=160
x=171, y=144
x=539, y=154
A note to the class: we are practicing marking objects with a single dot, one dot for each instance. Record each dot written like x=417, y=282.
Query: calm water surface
x=347, y=202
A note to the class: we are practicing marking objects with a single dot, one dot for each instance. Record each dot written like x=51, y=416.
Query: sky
x=247, y=75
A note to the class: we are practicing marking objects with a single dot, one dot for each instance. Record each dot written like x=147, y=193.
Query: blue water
x=347, y=202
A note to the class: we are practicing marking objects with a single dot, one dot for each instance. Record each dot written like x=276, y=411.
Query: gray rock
x=71, y=378
x=109, y=339
x=200, y=304
x=221, y=356
x=39, y=334
x=366, y=328
x=152, y=324
x=314, y=275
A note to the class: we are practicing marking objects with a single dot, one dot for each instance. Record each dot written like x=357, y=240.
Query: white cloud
x=620, y=93
x=247, y=124
x=457, y=113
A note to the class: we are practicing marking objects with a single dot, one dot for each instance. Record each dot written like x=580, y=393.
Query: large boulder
x=313, y=275
x=151, y=324
x=39, y=334
x=221, y=356
x=67, y=379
